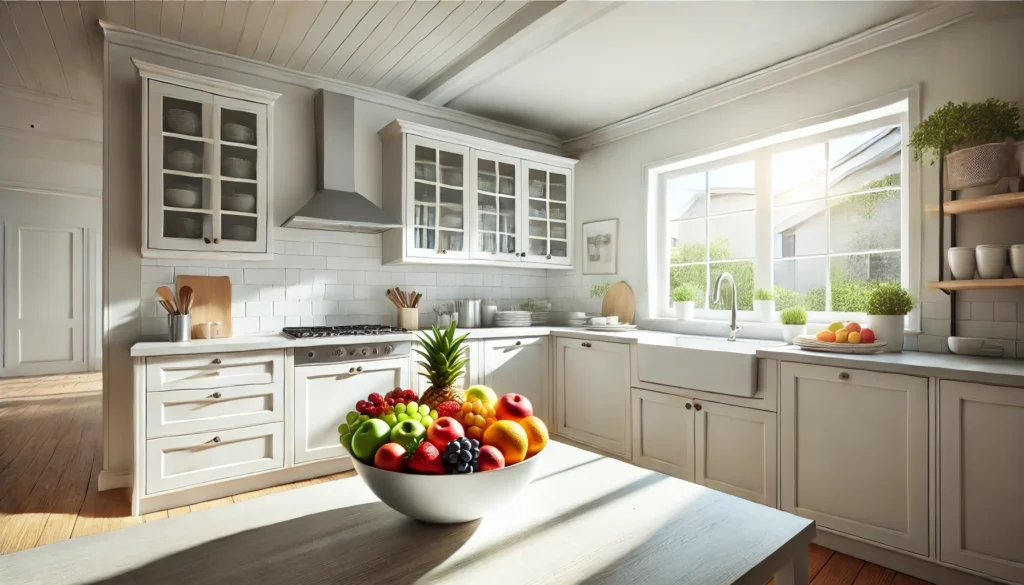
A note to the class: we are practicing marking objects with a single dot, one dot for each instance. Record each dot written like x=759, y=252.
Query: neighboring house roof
x=716, y=192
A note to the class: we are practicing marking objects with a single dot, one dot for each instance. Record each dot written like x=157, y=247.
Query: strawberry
x=425, y=458
x=448, y=408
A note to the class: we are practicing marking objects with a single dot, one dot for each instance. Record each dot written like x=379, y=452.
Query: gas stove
x=341, y=331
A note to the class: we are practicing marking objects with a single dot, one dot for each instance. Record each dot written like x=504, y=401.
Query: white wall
x=969, y=61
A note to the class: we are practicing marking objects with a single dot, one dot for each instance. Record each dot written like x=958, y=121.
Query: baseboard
x=112, y=480
x=900, y=562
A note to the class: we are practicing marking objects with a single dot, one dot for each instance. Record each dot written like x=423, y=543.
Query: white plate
x=810, y=342
x=616, y=327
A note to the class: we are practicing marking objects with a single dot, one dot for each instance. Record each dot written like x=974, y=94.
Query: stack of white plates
x=540, y=317
x=183, y=121
x=512, y=319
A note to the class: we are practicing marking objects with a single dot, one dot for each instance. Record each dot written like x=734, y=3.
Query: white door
x=592, y=394
x=438, y=204
x=663, y=433
x=44, y=280
x=520, y=366
x=855, y=452
x=495, y=215
x=981, y=478
x=547, y=214
x=470, y=374
x=736, y=451
x=241, y=163
x=324, y=394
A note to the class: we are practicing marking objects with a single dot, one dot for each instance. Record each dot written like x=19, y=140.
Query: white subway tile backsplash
x=338, y=292
x=271, y=323
x=286, y=308
x=260, y=309
x=963, y=310
x=293, y=320
x=325, y=277
x=244, y=325
x=298, y=248
x=293, y=275
x=1005, y=311
x=356, y=277
x=324, y=308
x=935, y=310
x=245, y=293
x=1020, y=331
x=265, y=276
x=157, y=274
x=982, y=311
x=1002, y=330
x=235, y=274
x=935, y=326
x=299, y=292
x=273, y=293
x=974, y=329
x=190, y=271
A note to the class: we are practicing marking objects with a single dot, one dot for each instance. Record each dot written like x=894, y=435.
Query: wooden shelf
x=988, y=203
x=977, y=284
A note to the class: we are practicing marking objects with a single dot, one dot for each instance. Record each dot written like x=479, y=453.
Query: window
x=819, y=215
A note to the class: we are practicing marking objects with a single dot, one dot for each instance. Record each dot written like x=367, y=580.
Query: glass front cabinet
x=466, y=200
x=206, y=167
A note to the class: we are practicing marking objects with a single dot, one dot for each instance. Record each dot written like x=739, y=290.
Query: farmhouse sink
x=694, y=362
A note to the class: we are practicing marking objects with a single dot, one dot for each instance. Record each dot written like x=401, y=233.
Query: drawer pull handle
x=688, y=406
x=216, y=394
x=519, y=343
x=697, y=407
x=216, y=361
x=215, y=439
x=844, y=376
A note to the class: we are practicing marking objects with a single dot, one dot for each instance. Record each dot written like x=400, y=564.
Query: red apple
x=490, y=458
x=443, y=431
x=867, y=335
x=513, y=407
x=391, y=456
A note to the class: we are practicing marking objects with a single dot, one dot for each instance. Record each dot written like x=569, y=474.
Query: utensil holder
x=179, y=327
x=409, y=319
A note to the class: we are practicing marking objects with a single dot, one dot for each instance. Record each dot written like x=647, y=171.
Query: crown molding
x=399, y=127
x=911, y=26
x=127, y=37
x=202, y=82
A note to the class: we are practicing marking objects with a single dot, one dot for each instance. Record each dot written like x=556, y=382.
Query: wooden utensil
x=619, y=301
x=185, y=297
x=211, y=301
x=392, y=294
x=167, y=307
x=168, y=297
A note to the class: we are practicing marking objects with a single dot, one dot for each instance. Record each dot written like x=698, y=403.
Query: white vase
x=888, y=328
x=790, y=332
x=684, y=310
x=764, y=311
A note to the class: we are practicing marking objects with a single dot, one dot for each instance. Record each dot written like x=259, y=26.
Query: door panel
x=592, y=394
x=520, y=366
x=736, y=451
x=663, y=433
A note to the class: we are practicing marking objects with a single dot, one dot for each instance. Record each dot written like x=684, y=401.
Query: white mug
x=612, y=320
x=598, y=320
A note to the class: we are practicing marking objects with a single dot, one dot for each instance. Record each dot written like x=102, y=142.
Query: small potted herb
x=683, y=297
x=888, y=306
x=794, y=323
x=976, y=139
x=764, y=305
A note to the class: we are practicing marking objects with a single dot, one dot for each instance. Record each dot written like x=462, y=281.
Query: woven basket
x=979, y=165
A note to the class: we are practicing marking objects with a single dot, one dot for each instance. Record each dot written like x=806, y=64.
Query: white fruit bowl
x=449, y=499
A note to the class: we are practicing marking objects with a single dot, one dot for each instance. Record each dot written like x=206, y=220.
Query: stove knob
x=311, y=354
x=364, y=351
x=353, y=352
x=389, y=349
x=375, y=351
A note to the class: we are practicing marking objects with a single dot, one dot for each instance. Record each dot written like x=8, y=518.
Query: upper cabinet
x=207, y=167
x=466, y=200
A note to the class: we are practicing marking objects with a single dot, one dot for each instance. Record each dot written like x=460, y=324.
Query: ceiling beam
x=533, y=28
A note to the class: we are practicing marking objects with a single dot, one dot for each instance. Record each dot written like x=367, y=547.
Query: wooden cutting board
x=619, y=301
x=212, y=301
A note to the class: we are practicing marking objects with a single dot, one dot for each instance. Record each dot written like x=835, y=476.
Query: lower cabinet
x=663, y=433
x=981, y=478
x=855, y=452
x=520, y=365
x=323, y=397
x=592, y=393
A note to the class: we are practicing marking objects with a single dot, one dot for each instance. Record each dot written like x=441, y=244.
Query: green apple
x=484, y=393
x=407, y=433
x=368, y=438
x=835, y=326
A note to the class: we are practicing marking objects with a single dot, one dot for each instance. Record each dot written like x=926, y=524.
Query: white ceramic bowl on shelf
x=962, y=262
x=241, y=232
x=182, y=121
x=991, y=260
x=1017, y=260
x=237, y=167
x=244, y=202
x=423, y=496
x=180, y=197
x=237, y=133
x=184, y=160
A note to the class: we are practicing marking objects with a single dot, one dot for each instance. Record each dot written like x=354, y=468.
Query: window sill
x=720, y=327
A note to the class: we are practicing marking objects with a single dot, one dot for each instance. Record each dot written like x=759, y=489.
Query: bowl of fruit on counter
x=411, y=450
x=841, y=337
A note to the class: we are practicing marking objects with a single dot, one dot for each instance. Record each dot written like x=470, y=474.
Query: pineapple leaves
x=443, y=356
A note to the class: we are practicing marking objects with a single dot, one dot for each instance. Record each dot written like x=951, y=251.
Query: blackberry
x=461, y=456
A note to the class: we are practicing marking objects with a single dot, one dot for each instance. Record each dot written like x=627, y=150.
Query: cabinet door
x=547, y=214
x=520, y=366
x=325, y=394
x=855, y=452
x=592, y=394
x=438, y=184
x=736, y=451
x=981, y=478
x=663, y=433
x=495, y=216
x=240, y=161
x=470, y=376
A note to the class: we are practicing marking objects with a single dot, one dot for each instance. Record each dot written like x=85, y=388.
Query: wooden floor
x=50, y=439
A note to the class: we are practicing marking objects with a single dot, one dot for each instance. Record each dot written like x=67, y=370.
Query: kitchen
x=903, y=460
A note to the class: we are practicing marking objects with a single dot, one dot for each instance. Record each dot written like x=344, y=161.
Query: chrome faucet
x=733, y=328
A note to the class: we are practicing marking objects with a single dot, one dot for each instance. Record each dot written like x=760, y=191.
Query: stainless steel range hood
x=336, y=205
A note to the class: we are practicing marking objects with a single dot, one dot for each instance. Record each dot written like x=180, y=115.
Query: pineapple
x=444, y=360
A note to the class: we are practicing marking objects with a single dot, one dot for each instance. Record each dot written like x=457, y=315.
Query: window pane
x=800, y=283
x=800, y=230
x=538, y=184
x=732, y=236
x=732, y=188
x=861, y=223
x=854, y=277
x=686, y=197
x=866, y=160
x=451, y=169
x=687, y=241
x=743, y=274
x=798, y=175
x=692, y=274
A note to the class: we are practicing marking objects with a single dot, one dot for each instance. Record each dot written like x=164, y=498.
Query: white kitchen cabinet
x=207, y=167
x=736, y=451
x=323, y=397
x=981, y=478
x=520, y=365
x=438, y=180
x=547, y=214
x=592, y=394
x=855, y=452
x=470, y=375
x=495, y=219
x=663, y=433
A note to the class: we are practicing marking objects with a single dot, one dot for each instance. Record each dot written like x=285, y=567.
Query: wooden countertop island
x=585, y=519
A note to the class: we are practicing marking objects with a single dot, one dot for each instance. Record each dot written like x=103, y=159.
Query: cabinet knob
x=215, y=361
x=697, y=406
x=207, y=240
x=549, y=256
x=216, y=240
x=523, y=254
x=688, y=406
x=519, y=343
x=586, y=344
x=215, y=439
x=216, y=395
x=359, y=369
x=351, y=370
x=844, y=376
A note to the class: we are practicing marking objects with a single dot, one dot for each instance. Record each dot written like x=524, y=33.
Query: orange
x=510, y=438
x=826, y=335
x=854, y=337
x=536, y=435
x=841, y=335
x=853, y=327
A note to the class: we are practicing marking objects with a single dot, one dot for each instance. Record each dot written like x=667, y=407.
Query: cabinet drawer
x=177, y=462
x=214, y=370
x=179, y=412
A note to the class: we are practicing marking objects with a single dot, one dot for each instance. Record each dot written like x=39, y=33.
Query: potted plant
x=888, y=305
x=976, y=139
x=683, y=296
x=764, y=305
x=794, y=323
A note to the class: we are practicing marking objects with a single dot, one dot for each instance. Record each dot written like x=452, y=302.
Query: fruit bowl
x=449, y=499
